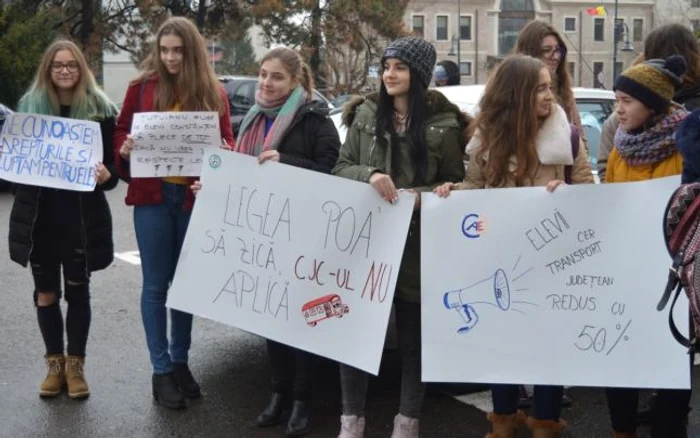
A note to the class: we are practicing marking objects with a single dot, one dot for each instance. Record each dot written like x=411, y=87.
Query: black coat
x=94, y=216
x=312, y=141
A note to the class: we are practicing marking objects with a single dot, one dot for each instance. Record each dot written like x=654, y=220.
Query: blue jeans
x=546, y=399
x=160, y=232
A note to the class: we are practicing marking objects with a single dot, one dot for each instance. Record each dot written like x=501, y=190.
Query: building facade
x=686, y=12
x=484, y=31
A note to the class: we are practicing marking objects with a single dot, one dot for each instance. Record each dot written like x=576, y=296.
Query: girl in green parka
x=411, y=138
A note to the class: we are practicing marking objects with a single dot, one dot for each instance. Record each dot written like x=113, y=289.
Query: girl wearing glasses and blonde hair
x=541, y=40
x=55, y=229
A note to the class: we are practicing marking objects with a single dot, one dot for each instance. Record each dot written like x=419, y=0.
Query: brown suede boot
x=55, y=376
x=545, y=428
x=624, y=435
x=75, y=377
x=505, y=426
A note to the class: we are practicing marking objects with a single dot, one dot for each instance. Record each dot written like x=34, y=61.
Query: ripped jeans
x=58, y=247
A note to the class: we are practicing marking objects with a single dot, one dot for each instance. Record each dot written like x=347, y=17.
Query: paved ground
x=230, y=364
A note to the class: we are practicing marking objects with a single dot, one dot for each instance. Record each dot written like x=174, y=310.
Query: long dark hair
x=415, y=127
x=675, y=39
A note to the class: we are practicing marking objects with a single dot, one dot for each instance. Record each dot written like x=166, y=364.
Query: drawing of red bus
x=323, y=308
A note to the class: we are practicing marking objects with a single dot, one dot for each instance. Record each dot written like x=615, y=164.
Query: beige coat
x=553, y=150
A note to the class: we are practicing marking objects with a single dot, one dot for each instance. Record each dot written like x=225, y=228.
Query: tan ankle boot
x=352, y=426
x=55, y=376
x=505, y=426
x=545, y=428
x=405, y=427
x=624, y=435
x=75, y=377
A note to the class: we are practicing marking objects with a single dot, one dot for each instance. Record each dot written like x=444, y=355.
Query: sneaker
x=75, y=378
x=55, y=376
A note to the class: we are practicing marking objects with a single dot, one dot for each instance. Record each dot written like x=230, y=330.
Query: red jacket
x=143, y=191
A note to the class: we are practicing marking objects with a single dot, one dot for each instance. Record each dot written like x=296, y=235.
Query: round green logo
x=214, y=161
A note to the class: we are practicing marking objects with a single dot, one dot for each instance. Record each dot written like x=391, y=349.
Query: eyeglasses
x=549, y=51
x=72, y=66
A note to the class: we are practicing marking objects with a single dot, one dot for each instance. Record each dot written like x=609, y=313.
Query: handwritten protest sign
x=303, y=258
x=50, y=151
x=550, y=288
x=172, y=143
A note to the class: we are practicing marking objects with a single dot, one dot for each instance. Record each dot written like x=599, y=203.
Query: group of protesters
x=527, y=132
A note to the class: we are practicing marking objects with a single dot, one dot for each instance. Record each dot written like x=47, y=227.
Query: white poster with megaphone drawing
x=525, y=286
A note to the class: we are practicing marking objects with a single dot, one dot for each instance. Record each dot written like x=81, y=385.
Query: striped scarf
x=251, y=136
x=652, y=145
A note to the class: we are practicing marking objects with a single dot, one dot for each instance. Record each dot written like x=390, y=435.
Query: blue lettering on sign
x=472, y=226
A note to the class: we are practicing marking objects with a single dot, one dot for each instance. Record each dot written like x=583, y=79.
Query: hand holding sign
x=127, y=147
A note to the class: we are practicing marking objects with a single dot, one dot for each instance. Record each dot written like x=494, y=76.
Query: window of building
x=465, y=27
x=441, y=28
x=598, y=75
x=570, y=24
x=638, y=29
x=695, y=3
x=514, y=15
x=695, y=25
x=418, y=26
x=599, y=29
x=465, y=68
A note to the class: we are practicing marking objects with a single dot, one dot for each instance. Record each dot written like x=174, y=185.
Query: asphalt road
x=230, y=365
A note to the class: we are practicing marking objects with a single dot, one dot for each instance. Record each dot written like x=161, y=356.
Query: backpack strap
x=690, y=344
x=674, y=282
x=575, y=146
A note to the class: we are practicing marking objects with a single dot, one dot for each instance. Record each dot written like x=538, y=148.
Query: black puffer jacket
x=312, y=141
x=95, y=218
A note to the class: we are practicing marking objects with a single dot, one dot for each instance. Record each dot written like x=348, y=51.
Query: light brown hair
x=675, y=39
x=295, y=66
x=530, y=43
x=507, y=122
x=195, y=87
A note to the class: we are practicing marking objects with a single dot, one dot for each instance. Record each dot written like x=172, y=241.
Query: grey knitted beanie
x=417, y=53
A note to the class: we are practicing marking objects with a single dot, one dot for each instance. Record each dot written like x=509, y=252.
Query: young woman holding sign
x=521, y=138
x=403, y=137
x=645, y=148
x=285, y=125
x=54, y=229
x=178, y=77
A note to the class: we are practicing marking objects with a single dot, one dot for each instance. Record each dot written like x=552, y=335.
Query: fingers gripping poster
x=296, y=256
x=550, y=288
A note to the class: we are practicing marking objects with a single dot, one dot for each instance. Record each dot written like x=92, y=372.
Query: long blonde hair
x=507, y=121
x=196, y=87
x=89, y=101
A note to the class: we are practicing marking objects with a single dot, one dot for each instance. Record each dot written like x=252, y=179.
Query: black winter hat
x=417, y=53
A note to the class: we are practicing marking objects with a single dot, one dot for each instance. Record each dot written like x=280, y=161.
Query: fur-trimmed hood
x=438, y=105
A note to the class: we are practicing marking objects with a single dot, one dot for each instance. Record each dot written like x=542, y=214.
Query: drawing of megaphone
x=493, y=291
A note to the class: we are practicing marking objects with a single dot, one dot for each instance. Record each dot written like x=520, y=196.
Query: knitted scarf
x=652, y=145
x=251, y=136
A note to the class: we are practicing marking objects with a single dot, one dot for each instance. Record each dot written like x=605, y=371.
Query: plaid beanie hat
x=417, y=53
x=653, y=82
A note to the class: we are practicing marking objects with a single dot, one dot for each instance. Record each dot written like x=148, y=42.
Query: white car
x=594, y=105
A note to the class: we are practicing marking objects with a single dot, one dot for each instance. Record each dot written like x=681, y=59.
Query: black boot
x=272, y=415
x=165, y=391
x=300, y=419
x=185, y=381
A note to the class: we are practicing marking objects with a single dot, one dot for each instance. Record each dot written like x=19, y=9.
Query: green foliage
x=239, y=58
x=24, y=34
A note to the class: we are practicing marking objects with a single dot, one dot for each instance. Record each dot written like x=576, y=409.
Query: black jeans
x=670, y=411
x=546, y=399
x=292, y=370
x=58, y=246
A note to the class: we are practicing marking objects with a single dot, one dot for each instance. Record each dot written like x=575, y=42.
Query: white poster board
x=50, y=151
x=172, y=143
x=550, y=288
x=303, y=258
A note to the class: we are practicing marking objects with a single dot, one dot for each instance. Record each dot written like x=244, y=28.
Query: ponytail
x=306, y=80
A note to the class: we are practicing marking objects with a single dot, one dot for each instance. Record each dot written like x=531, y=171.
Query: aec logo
x=472, y=226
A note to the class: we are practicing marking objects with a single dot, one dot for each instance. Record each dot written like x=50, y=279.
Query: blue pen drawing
x=496, y=290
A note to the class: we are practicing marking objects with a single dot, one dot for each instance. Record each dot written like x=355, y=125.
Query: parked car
x=594, y=105
x=241, y=97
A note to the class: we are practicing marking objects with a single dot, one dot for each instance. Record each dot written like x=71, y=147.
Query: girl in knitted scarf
x=645, y=148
